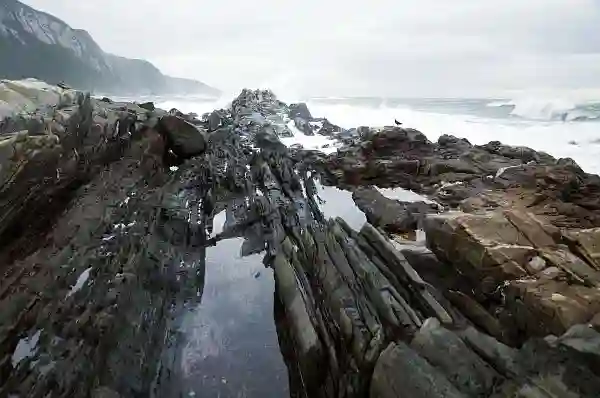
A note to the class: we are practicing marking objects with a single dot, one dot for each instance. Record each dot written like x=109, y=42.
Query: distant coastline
x=37, y=44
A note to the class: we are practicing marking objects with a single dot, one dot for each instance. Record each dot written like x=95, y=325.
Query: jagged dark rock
x=149, y=106
x=104, y=244
x=300, y=110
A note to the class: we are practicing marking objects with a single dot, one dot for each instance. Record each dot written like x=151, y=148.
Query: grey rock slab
x=402, y=373
x=445, y=350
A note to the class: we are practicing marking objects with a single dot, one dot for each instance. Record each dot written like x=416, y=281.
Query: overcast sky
x=354, y=47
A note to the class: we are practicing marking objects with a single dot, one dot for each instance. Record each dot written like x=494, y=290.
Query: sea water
x=560, y=127
x=550, y=127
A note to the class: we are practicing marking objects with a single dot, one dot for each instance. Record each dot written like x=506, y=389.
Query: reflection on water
x=230, y=346
x=219, y=223
x=227, y=343
x=403, y=195
x=339, y=203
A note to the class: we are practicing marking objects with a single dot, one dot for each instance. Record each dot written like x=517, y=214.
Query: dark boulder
x=328, y=128
x=176, y=112
x=450, y=141
x=300, y=110
x=303, y=126
x=522, y=153
x=183, y=138
x=149, y=106
x=214, y=121
x=397, y=140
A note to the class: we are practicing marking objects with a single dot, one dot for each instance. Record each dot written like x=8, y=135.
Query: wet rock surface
x=455, y=173
x=148, y=253
x=389, y=214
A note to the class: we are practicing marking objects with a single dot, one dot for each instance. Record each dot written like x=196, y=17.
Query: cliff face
x=36, y=44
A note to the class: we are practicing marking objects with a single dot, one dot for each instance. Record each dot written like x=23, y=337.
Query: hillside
x=37, y=44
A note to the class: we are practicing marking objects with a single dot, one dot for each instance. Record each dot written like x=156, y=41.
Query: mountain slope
x=37, y=44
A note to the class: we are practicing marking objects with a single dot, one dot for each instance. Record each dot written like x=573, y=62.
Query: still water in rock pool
x=229, y=345
x=339, y=203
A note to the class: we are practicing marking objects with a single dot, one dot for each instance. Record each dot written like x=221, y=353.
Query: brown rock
x=486, y=201
x=572, y=265
x=530, y=227
x=476, y=313
x=481, y=246
x=587, y=244
x=550, y=307
x=491, y=250
x=521, y=153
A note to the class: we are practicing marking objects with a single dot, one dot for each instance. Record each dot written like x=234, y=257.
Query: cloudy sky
x=354, y=47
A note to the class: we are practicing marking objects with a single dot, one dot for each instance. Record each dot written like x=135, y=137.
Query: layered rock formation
x=98, y=222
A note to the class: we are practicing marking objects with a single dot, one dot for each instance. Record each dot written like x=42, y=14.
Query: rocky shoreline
x=107, y=212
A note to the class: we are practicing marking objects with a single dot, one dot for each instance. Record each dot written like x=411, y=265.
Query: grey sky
x=354, y=47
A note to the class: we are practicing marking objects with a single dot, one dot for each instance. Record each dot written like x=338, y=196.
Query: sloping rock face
x=29, y=95
x=87, y=250
x=43, y=157
x=93, y=265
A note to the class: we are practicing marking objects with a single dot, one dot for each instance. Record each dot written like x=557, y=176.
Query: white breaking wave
x=554, y=137
x=318, y=142
x=497, y=104
x=548, y=109
x=543, y=108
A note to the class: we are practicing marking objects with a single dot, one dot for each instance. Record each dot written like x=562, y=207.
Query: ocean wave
x=543, y=109
x=481, y=125
x=499, y=104
x=549, y=109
